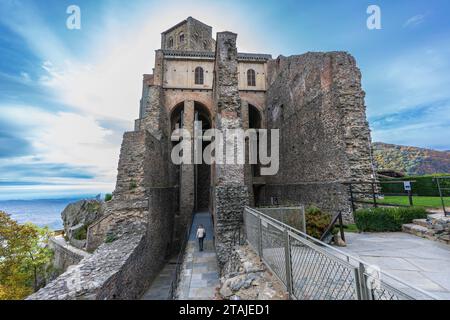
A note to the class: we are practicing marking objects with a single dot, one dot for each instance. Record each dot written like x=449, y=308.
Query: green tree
x=25, y=258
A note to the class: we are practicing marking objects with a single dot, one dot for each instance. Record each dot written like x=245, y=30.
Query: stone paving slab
x=161, y=286
x=422, y=263
x=200, y=276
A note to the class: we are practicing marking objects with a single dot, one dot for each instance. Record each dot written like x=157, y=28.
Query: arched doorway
x=202, y=171
x=201, y=178
x=255, y=122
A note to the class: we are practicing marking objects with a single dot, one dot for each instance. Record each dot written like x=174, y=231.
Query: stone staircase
x=436, y=227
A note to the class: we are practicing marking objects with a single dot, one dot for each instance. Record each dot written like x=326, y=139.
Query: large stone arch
x=173, y=98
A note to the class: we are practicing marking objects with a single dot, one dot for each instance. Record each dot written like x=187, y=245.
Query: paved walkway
x=422, y=263
x=160, y=288
x=200, y=274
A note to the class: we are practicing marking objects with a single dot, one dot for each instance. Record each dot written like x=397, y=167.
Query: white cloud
x=414, y=21
x=102, y=83
x=67, y=138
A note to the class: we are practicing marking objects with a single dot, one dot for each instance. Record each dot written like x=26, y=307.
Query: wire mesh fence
x=313, y=270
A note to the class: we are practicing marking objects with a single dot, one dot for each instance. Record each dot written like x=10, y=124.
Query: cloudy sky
x=67, y=96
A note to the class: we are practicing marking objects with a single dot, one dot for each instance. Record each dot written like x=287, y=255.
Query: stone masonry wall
x=65, y=255
x=317, y=102
x=229, y=190
x=134, y=238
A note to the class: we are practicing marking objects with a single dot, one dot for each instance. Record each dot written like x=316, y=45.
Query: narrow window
x=199, y=79
x=251, y=78
x=181, y=37
x=170, y=42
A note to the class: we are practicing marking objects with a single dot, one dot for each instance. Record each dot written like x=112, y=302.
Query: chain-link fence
x=313, y=270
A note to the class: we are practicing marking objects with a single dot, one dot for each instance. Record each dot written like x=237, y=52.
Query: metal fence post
x=410, y=197
x=441, y=195
x=351, y=198
x=374, y=196
x=287, y=258
x=366, y=293
x=260, y=251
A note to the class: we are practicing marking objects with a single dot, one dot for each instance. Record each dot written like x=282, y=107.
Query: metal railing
x=179, y=264
x=336, y=220
x=370, y=193
x=440, y=181
x=313, y=270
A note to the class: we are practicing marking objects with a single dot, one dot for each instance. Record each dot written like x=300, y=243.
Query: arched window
x=199, y=79
x=251, y=78
x=170, y=45
x=181, y=37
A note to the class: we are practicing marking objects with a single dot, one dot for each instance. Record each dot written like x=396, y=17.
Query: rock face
x=244, y=277
x=77, y=217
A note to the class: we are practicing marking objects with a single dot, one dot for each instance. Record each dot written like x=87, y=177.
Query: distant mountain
x=410, y=160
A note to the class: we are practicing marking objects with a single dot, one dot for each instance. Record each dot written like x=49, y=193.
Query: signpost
x=408, y=188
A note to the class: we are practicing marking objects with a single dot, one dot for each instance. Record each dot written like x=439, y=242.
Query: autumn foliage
x=25, y=258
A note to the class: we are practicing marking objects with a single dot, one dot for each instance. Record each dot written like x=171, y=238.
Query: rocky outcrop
x=77, y=217
x=245, y=277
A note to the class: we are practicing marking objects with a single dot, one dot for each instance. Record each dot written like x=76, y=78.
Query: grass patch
x=426, y=202
x=351, y=228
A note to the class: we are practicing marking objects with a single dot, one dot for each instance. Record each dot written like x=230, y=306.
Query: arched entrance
x=195, y=186
x=202, y=171
x=255, y=122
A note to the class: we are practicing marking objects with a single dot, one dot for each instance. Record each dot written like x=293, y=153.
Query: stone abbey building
x=314, y=99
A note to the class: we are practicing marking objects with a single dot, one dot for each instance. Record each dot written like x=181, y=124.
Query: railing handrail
x=332, y=225
x=176, y=272
x=316, y=242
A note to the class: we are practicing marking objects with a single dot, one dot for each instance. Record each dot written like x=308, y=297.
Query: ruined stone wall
x=143, y=165
x=134, y=238
x=317, y=102
x=65, y=255
x=230, y=194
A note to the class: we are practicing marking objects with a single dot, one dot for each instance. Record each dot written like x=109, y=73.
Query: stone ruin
x=314, y=99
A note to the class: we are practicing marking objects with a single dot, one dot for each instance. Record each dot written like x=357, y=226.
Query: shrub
x=387, y=219
x=133, y=185
x=81, y=234
x=108, y=197
x=317, y=222
x=110, y=237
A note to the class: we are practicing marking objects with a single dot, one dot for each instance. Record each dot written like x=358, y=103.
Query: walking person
x=201, y=235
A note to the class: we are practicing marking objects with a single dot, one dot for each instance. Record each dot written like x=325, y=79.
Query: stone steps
x=422, y=222
x=435, y=228
x=419, y=231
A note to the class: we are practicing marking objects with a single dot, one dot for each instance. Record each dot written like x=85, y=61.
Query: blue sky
x=67, y=96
